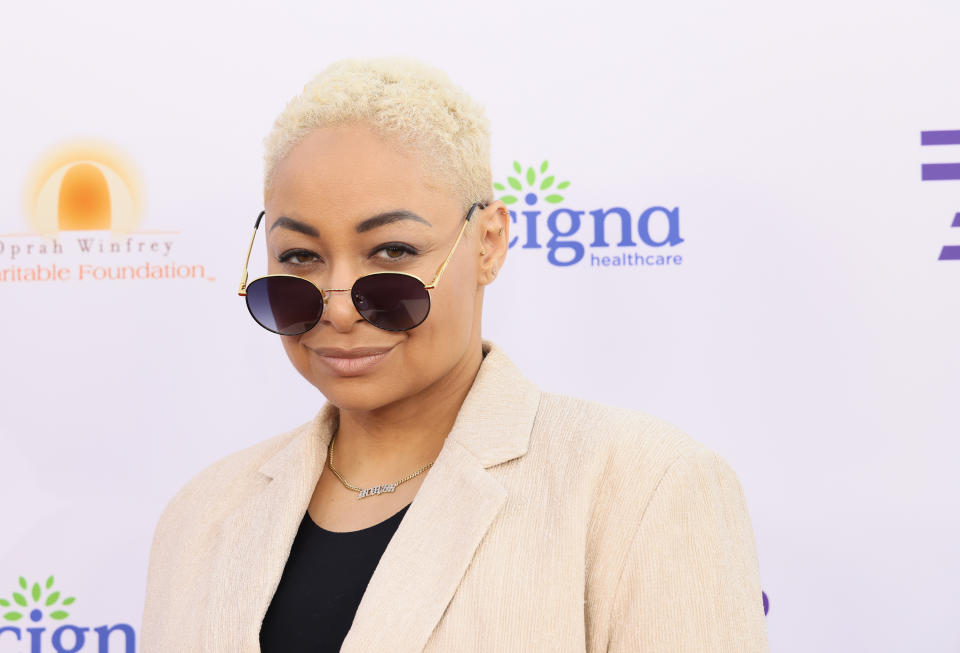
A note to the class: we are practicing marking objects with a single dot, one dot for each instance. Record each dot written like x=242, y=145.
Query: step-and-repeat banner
x=743, y=219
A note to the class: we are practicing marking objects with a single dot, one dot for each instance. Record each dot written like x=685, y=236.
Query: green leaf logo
x=535, y=186
x=36, y=596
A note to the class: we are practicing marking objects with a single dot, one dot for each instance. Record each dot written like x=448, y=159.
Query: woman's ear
x=493, y=232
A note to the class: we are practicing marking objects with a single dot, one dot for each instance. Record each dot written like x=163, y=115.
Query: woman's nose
x=339, y=311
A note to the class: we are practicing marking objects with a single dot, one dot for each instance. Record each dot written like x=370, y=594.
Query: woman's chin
x=350, y=403
x=356, y=393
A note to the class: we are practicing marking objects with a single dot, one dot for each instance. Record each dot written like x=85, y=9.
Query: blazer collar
x=452, y=510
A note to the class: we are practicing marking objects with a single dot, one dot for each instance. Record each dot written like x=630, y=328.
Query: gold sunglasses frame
x=324, y=293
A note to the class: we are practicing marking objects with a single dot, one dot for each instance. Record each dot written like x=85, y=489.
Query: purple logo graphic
x=943, y=172
x=951, y=252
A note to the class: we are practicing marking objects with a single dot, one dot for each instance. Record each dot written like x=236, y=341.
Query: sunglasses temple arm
x=246, y=262
x=436, y=278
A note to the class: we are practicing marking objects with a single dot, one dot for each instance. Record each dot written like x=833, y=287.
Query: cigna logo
x=652, y=234
x=82, y=187
x=33, y=603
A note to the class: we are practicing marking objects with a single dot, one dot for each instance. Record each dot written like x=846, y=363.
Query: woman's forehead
x=364, y=190
x=346, y=156
x=350, y=170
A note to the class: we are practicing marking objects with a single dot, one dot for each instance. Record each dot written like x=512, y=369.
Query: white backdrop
x=809, y=333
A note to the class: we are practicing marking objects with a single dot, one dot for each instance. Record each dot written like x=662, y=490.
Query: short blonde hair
x=402, y=98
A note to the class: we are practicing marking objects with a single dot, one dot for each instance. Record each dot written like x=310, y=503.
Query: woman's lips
x=353, y=365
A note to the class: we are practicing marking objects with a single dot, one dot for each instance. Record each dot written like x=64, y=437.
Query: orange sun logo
x=83, y=186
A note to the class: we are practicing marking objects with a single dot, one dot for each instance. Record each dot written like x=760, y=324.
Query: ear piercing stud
x=483, y=251
x=502, y=211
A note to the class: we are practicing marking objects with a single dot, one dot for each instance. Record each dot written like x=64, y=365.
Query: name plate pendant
x=377, y=489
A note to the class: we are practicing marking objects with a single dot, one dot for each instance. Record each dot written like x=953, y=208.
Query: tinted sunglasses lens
x=285, y=305
x=394, y=302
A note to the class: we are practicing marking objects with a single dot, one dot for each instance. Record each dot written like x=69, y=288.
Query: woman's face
x=331, y=182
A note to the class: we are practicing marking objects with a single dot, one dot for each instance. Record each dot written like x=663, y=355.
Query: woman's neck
x=397, y=439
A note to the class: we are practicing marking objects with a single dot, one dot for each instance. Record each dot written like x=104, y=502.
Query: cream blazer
x=547, y=523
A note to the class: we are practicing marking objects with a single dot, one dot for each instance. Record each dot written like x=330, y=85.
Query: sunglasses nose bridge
x=326, y=293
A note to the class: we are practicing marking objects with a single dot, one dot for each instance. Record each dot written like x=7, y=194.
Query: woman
x=438, y=501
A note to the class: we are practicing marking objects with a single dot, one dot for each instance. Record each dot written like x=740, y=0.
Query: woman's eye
x=295, y=255
x=395, y=252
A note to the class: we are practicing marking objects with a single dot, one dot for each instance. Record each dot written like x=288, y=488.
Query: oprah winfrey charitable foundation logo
x=538, y=201
x=37, y=614
x=83, y=203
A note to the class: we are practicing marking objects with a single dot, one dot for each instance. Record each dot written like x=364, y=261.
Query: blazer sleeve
x=691, y=579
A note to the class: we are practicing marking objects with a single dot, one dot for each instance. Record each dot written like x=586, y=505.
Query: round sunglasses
x=289, y=305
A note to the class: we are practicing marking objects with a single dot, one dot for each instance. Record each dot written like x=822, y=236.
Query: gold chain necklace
x=370, y=491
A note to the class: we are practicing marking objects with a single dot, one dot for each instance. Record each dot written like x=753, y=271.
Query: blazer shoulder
x=628, y=448
x=617, y=430
x=209, y=491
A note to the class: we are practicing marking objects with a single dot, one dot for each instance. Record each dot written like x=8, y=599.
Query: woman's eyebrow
x=370, y=223
x=294, y=225
x=387, y=217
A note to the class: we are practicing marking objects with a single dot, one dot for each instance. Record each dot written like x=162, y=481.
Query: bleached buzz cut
x=402, y=98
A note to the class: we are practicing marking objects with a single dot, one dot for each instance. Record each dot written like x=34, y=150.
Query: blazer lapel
x=428, y=554
x=451, y=512
x=255, y=540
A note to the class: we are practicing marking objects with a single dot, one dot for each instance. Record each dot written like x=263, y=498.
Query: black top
x=322, y=583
